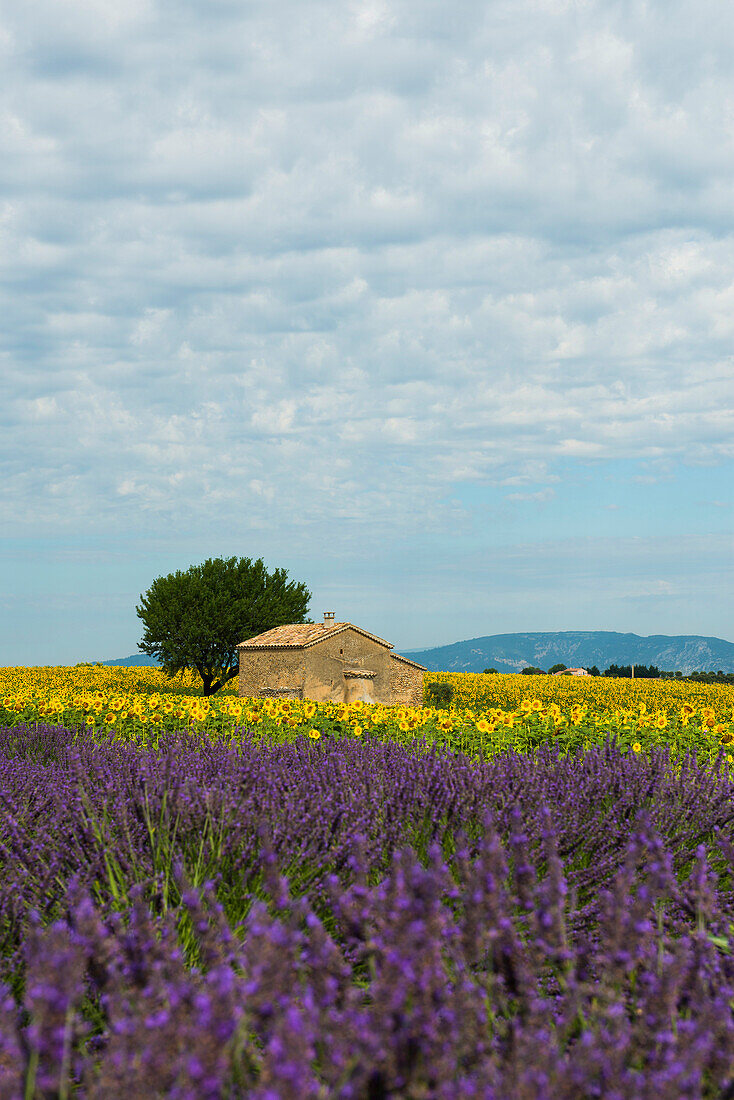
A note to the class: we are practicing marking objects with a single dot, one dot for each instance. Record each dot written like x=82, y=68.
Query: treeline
x=642, y=672
x=652, y=672
x=649, y=672
x=702, y=677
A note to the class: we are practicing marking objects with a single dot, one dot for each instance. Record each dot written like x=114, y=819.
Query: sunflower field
x=489, y=714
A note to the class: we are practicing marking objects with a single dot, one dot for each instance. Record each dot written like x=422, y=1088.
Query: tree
x=557, y=668
x=489, y=670
x=531, y=670
x=196, y=619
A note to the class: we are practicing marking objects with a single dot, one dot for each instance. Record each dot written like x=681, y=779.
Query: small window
x=341, y=651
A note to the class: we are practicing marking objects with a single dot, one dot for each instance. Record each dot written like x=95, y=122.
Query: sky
x=430, y=304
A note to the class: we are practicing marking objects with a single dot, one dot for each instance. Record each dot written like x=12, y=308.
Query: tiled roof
x=301, y=635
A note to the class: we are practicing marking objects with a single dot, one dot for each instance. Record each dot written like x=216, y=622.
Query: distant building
x=327, y=661
x=573, y=672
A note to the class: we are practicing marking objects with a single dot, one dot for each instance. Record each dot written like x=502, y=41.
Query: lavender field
x=360, y=920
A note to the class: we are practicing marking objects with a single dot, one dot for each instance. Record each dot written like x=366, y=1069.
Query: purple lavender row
x=368, y=922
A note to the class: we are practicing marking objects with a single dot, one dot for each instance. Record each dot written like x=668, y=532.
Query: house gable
x=357, y=629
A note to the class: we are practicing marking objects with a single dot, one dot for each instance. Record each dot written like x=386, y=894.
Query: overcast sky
x=429, y=303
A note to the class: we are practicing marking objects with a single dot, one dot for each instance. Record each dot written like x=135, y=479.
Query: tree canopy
x=195, y=619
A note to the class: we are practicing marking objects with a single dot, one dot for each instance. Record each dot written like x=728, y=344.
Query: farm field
x=489, y=713
x=351, y=918
x=530, y=893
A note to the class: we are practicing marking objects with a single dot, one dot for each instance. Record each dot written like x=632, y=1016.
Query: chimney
x=328, y=618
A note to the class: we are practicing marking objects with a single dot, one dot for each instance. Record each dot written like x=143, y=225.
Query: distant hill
x=136, y=659
x=579, y=649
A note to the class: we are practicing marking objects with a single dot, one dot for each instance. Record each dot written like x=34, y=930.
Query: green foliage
x=532, y=671
x=642, y=672
x=719, y=677
x=196, y=619
x=489, y=670
x=439, y=694
x=557, y=668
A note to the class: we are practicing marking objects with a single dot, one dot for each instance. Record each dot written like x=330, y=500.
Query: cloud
x=300, y=262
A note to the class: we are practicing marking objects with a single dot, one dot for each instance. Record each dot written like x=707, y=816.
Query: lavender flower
x=361, y=921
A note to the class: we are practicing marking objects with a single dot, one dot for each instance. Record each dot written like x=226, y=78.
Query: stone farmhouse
x=331, y=661
x=572, y=672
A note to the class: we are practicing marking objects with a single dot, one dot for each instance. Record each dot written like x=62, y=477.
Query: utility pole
x=633, y=672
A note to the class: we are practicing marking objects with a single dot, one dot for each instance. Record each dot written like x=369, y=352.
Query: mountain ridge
x=137, y=659
x=579, y=648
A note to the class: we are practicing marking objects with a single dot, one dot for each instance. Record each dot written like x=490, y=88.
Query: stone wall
x=273, y=668
x=407, y=684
